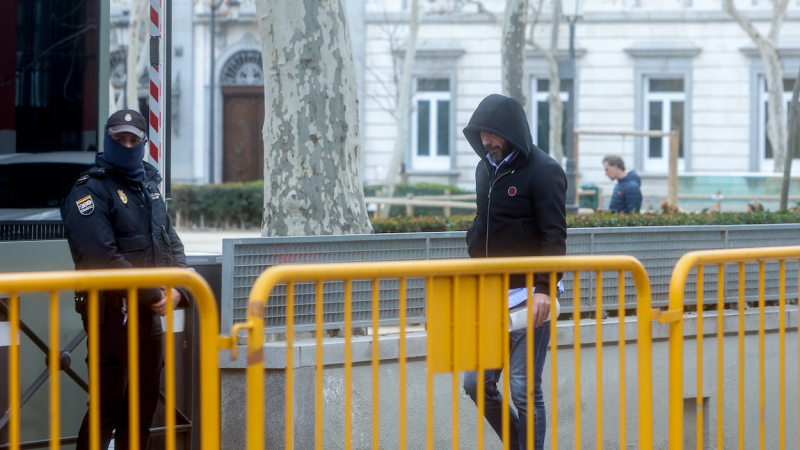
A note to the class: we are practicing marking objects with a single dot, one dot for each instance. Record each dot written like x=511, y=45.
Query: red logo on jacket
x=512, y=191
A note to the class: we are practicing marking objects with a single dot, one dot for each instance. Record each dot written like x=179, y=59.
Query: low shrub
x=600, y=219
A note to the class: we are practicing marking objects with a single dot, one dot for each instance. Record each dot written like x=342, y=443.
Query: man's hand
x=161, y=306
x=541, y=308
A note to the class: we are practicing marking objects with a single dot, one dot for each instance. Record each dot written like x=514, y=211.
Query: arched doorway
x=242, y=83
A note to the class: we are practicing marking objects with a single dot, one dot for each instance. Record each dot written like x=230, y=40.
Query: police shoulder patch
x=86, y=205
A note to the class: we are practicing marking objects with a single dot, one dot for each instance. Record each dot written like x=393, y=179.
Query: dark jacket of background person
x=627, y=196
x=521, y=209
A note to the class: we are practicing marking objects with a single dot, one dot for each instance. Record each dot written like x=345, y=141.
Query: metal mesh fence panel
x=658, y=248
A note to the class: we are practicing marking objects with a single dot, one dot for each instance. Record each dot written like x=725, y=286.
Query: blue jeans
x=518, y=379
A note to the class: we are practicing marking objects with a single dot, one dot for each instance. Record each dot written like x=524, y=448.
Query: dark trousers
x=114, y=379
x=518, y=380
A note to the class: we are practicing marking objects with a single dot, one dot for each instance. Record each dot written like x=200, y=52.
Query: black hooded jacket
x=110, y=224
x=521, y=209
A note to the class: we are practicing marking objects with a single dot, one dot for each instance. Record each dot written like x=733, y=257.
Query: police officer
x=116, y=218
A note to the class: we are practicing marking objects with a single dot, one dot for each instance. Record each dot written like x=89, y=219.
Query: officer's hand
x=541, y=308
x=161, y=306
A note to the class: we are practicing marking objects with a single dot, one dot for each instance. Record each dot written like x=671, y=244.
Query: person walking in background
x=521, y=195
x=627, y=196
x=115, y=218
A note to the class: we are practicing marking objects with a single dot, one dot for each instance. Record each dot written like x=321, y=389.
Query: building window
x=766, y=158
x=430, y=124
x=664, y=109
x=541, y=112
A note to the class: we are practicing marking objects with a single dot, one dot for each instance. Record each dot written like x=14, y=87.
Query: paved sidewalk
x=210, y=241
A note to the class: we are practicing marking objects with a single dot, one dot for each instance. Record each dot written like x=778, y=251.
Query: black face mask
x=128, y=159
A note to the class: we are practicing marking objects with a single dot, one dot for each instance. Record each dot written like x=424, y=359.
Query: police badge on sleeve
x=86, y=205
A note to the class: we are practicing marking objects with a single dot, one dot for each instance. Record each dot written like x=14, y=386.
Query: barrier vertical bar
x=676, y=369
x=644, y=334
x=741, y=355
x=699, y=399
x=576, y=306
x=133, y=367
x=94, y=369
x=255, y=370
x=376, y=353
x=721, y=290
x=505, y=417
x=169, y=376
x=782, y=354
x=454, y=295
x=318, y=374
x=54, y=367
x=761, y=356
x=622, y=395
x=598, y=347
x=430, y=294
x=553, y=361
x=290, y=363
x=13, y=371
x=480, y=374
x=529, y=366
x=402, y=360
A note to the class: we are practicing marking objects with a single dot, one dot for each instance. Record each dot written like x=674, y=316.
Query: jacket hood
x=504, y=117
x=631, y=177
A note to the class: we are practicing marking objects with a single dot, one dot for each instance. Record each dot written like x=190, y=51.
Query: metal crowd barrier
x=467, y=330
x=718, y=260
x=130, y=280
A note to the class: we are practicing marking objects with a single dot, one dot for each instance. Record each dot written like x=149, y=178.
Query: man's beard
x=496, y=156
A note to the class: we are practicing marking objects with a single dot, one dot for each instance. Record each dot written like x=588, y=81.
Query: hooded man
x=627, y=196
x=116, y=218
x=521, y=195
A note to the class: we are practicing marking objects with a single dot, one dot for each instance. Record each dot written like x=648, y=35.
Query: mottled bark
x=136, y=41
x=403, y=107
x=553, y=100
x=768, y=48
x=312, y=168
x=513, y=49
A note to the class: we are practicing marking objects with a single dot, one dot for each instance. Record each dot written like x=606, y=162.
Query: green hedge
x=219, y=204
x=243, y=203
x=601, y=219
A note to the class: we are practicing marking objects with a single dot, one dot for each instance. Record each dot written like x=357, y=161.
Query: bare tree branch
x=778, y=14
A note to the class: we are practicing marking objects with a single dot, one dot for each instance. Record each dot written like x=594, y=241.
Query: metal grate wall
x=658, y=248
x=34, y=230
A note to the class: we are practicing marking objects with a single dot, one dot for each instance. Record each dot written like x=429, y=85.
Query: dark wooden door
x=243, y=145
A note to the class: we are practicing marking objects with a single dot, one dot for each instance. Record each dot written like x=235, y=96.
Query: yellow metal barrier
x=675, y=318
x=130, y=280
x=467, y=323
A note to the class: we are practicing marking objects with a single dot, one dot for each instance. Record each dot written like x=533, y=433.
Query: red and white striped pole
x=155, y=156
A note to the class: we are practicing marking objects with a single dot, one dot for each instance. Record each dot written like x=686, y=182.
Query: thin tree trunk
x=513, y=66
x=553, y=100
x=312, y=167
x=794, y=143
x=138, y=15
x=403, y=108
x=767, y=48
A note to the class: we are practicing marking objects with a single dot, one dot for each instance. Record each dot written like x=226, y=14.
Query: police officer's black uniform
x=112, y=222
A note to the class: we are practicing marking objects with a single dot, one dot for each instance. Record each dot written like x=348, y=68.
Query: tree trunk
x=794, y=143
x=312, y=168
x=403, y=107
x=513, y=66
x=138, y=16
x=768, y=49
x=553, y=100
